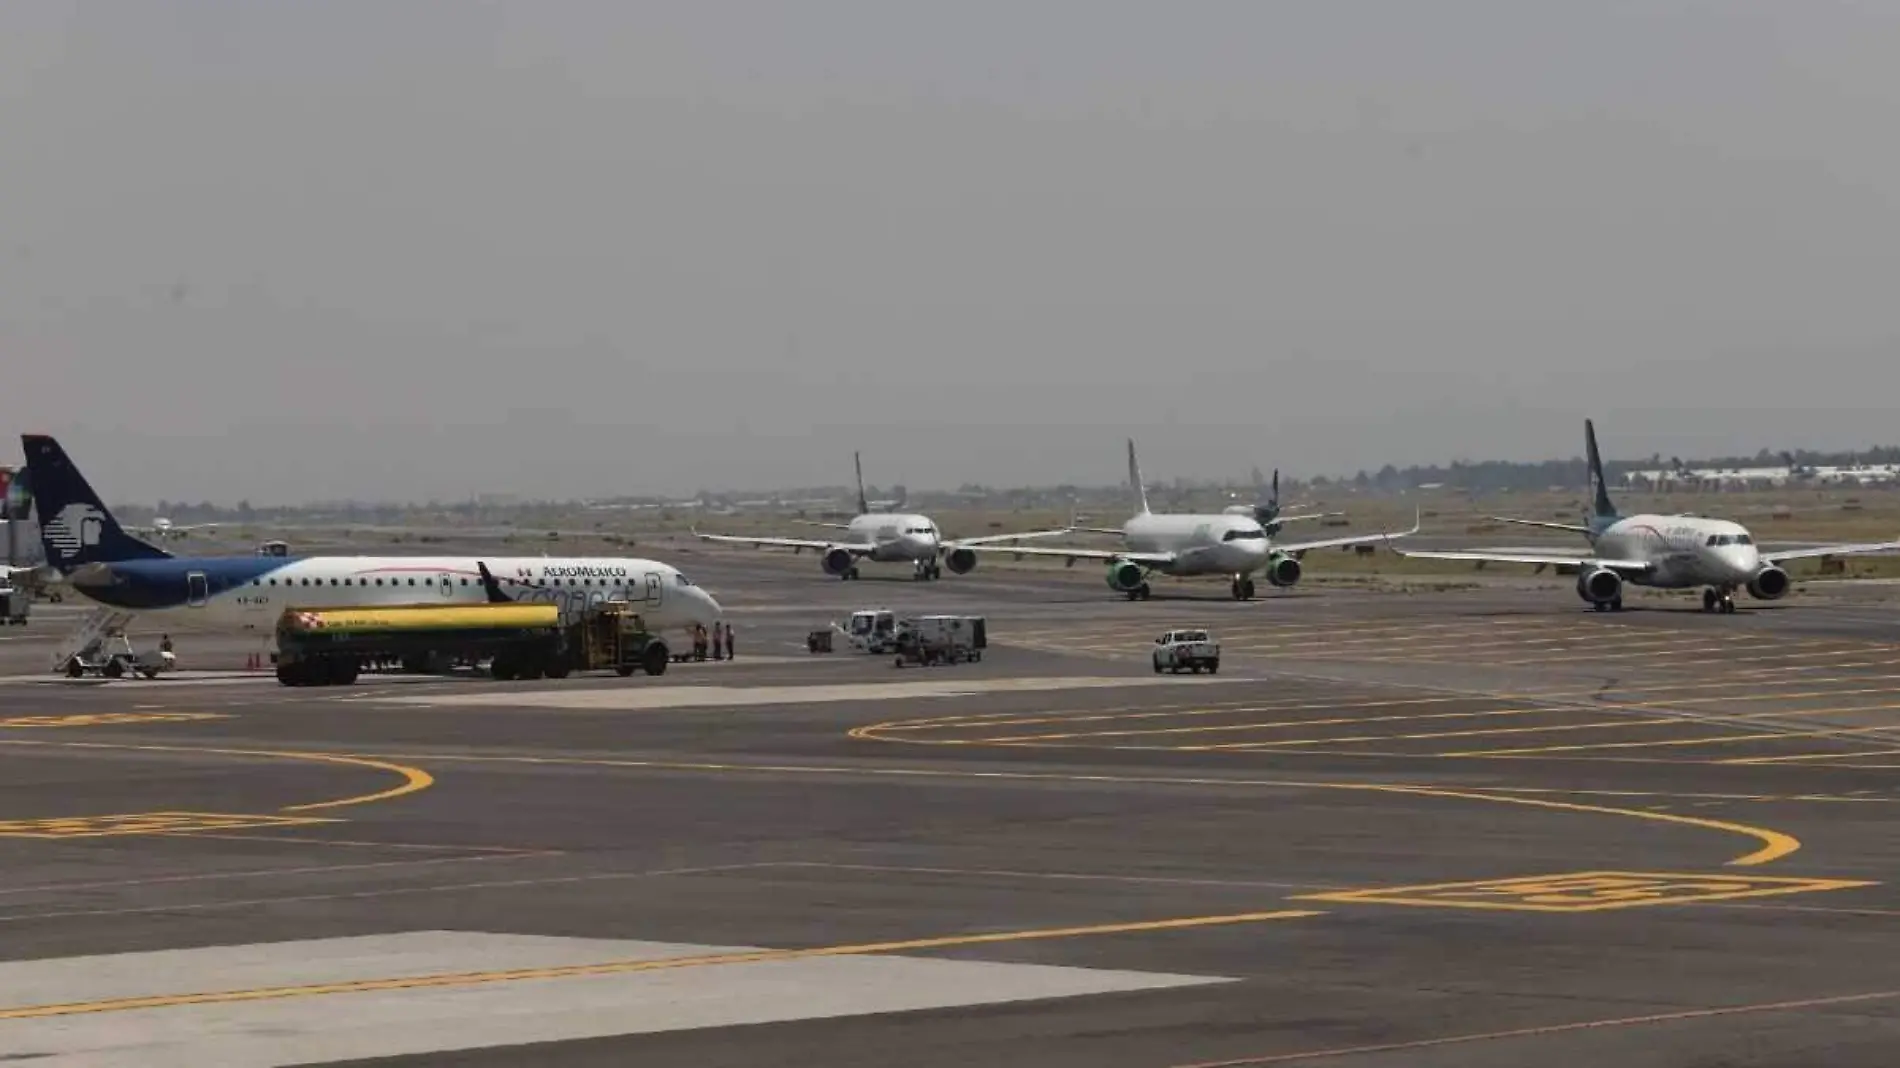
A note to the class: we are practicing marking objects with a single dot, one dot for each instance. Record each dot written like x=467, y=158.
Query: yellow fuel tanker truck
x=331, y=646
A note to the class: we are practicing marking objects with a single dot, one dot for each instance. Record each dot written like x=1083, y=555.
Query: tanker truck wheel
x=654, y=658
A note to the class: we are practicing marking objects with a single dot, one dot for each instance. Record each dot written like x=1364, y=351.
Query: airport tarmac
x=1474, y=827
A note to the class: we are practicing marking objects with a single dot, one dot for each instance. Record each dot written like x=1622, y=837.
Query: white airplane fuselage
x=251, y=592
x=894, y=537
x=1686, y=551
x=1202, y=544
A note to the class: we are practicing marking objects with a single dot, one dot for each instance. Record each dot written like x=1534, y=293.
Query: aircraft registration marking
x=102, y=719
x=1586, y=891
x=145, y=823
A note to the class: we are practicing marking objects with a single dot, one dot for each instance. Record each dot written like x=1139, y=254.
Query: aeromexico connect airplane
x=1670, y=552
x=113, y=568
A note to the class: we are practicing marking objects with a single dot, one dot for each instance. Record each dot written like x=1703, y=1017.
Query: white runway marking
x=344, y=1024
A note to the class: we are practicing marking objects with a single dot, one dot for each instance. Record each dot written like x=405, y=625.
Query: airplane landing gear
x=926, y=571
x=1242, y=588
x=849, y=573
x=1722, y=601
x=1139, y=593
x=1614, y=604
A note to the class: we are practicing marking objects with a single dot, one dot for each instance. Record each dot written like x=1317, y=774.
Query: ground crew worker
x=719, y=641
x=699, y=641
x=732, y=651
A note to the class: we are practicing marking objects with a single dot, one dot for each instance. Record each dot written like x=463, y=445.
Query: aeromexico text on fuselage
x=251, y=590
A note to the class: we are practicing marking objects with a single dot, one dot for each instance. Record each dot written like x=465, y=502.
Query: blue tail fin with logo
x=1602, y=512
x=76, y=528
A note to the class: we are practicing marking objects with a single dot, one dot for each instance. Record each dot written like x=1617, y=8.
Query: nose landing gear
x=926, y=571
x=1242, y=588
x=1714, y=600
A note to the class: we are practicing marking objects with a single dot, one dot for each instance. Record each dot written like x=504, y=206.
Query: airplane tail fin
x=864, y=506
x=1134, y=478
x=1600, y=504
x=76, y=528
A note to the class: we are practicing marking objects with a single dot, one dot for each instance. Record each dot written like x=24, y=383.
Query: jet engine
x=960, y=561
x=1599, y=586
x=837, y=562
x=1769, y=584
x=1124, y=577
x=1283, y=569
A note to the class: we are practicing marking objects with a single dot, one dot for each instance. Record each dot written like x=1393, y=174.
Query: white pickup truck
x=1191, y=649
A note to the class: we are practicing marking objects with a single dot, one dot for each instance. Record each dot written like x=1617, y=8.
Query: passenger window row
x=602, y=583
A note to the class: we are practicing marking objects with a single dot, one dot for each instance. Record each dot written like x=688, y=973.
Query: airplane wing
x=1070, y=553
x=991, y=539
x=1571, y=527
x=1622, y=567
x=785, y=543
x=1306, y=516
x=1784, y=555
x=1354, y=539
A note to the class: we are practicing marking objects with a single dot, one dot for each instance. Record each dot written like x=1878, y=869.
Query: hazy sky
x=378, y=248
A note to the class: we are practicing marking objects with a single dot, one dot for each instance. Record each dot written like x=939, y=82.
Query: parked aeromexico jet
x=881, y=537
x=1670, y=552
x=1224, y=544
x=110, y=566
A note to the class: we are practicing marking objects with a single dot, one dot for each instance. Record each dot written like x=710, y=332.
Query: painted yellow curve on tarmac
x=1774, y=844
x=414, y=779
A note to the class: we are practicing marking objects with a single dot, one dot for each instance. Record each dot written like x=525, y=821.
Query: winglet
x=1418, y=513
x=864, y=506
x=1134, y=478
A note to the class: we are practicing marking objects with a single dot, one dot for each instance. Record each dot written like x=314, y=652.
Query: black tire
x=74, y=668
x=1213, y=667
x=624, y=670
x=115, y=668
x=654, y=659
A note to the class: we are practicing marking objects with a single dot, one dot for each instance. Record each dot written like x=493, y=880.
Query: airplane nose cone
x=705, y=609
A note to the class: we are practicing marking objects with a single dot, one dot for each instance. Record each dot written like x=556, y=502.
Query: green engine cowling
x=1124, y=577
x=1283, y=569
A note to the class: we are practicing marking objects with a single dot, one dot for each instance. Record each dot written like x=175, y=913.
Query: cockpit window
x=1743, y=539
x=1252, y=534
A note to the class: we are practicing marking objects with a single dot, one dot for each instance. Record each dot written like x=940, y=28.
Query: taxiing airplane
x=1235, y=545
x=165, y=528
x=111, y=567
x=1267, y=511
x=1670, y=552
x=880, y=537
